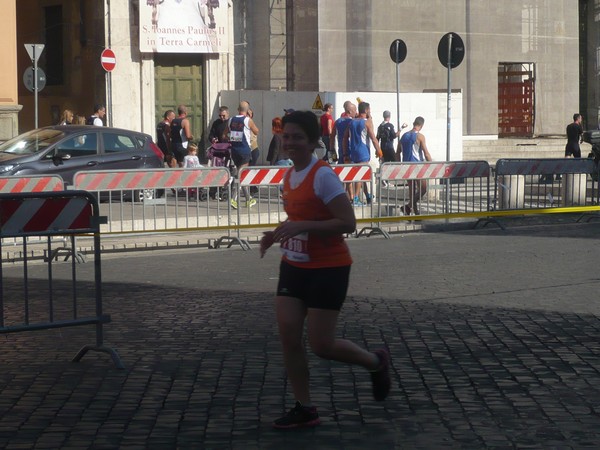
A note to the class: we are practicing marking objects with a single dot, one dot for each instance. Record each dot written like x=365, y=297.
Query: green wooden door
x=178, y=80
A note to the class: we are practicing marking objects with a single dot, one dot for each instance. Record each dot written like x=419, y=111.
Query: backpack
x=90, y=120
x=386, y=134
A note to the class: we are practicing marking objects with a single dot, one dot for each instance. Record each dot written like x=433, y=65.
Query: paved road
x=493, y=335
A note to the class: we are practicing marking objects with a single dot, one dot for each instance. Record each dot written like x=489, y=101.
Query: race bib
x=236, y=136
x=296, y=248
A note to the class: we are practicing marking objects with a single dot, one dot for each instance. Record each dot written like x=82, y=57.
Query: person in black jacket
x=163, y=137
x=217, y=129
x=574, y=135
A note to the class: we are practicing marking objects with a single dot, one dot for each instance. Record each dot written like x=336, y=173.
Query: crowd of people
x=345, y=140
x=68, y=117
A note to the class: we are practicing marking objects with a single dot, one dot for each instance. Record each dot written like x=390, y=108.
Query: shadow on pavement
x=204, y=370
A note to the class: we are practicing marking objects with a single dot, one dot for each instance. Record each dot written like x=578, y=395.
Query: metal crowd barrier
x=30, y=183
x=353, y=175
x=187, y=200
x=198, y=198
x=263, y=184
x=545, y=183
x=267, y=182
x=441, y=188
x=48, y=214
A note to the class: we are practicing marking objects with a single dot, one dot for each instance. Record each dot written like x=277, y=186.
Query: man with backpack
x=96, y=118
x=386, y=134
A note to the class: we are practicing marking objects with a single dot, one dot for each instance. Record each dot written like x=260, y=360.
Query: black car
x=65, y=150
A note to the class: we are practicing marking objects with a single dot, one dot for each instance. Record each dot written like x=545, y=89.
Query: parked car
x=65, y=150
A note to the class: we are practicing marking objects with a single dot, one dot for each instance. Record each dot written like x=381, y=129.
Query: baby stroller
x=219, y=155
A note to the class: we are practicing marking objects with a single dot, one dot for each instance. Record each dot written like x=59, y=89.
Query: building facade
x=526, y=68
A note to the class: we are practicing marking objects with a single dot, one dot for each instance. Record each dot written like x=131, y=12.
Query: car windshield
x=32, y=142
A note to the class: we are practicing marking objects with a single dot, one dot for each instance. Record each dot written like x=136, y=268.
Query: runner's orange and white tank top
x=311, y=250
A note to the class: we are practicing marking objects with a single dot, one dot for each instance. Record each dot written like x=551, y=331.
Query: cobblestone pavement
x=494, y=337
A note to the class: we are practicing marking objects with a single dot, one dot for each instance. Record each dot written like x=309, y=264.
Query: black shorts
x=573, y=150
x=389, y=155
x=179, y=151
x=323, y=288
x=239, y=159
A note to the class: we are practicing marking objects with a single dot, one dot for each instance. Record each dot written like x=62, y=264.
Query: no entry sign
x=108, y=59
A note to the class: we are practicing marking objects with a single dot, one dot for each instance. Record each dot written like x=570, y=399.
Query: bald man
x=239, y=131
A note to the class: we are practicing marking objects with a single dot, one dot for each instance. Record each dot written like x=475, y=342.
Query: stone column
x=9, y=95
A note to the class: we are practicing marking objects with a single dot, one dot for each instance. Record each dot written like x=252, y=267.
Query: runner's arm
x=374, y=139
x=253, y=127
x=423, y=145
x=186, y=128
x=332, y=139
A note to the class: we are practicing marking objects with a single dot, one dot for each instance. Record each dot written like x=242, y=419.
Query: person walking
x=181, y=134
x=239, y=132
x=356, y=145
x=339, y=128
x=314, y=271
x=386, y=133
x=326, y=131
x=574, y=137
x=66, y=118
x=277, y=156
x=96, y=118
x=414, y=149
x=163, y=137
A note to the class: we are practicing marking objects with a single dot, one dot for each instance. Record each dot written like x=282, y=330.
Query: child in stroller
x=219, y=155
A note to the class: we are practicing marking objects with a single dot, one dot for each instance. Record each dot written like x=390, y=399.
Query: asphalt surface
x=494, y=337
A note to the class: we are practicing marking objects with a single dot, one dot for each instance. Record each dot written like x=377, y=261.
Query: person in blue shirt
x=339, y=128
x=414, y=149
x=239, y=131
x=356, y=145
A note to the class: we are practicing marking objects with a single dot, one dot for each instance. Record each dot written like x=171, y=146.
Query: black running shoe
x=381, y=377
x=298, y=417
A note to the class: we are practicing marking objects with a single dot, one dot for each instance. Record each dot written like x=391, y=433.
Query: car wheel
x=144, y=194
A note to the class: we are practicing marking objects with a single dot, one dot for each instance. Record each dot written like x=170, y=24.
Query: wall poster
x=183, y=26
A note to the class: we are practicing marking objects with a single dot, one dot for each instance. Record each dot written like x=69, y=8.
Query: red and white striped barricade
x=189, y=197
x=268, y=181
x=47, y=214
x=545, y=183
x=33, y=183
x=354, y=175
x=262, y=176
x=451, y=187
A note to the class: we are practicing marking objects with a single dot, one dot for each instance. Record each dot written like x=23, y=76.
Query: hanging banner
x=183, y=26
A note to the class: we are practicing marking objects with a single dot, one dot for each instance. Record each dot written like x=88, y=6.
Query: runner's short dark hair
x=307, y=120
